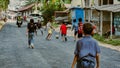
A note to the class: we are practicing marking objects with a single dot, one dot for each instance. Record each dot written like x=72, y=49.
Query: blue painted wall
x=77, y=13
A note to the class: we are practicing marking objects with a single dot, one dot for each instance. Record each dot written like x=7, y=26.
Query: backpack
x=80, y=28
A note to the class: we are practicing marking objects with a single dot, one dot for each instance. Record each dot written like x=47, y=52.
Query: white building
x=104, y=12
x=75, y=3
x=15, y=4
x=116, y=1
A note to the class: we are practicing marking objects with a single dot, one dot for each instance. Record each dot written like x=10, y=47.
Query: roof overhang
x=109, y=8
x=26, y=7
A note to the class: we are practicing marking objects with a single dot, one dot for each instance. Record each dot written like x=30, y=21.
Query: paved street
x=14, y=52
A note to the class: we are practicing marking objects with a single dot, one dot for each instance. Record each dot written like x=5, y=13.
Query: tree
x=48, y=11
x=4, y=4
x=49, y=6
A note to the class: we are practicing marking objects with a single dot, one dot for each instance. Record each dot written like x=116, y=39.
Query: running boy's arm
x=27, y=30
x=60, y=28
x=74, y=61
x=72, y=28
x=97, y=61
x=76, y=55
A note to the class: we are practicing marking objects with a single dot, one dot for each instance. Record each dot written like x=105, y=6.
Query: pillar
x=101, y=22
x=111, y=16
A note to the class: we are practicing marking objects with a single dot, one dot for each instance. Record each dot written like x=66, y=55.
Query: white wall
x=75, y=3
x=96, y=2
x=116, y=2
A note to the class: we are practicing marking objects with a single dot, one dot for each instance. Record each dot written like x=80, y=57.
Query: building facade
x=103, y=17
x=116, y=1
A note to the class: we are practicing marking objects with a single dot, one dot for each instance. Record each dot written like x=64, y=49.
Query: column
x=111, y=15
x=89, y=15
x=101, y=22
x=101, y=2
x=108, y=2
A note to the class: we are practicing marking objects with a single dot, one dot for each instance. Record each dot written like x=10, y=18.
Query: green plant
x=115, y=42
x=48, y=11
x=99, y=38
x=4, y=4
x=54, y=24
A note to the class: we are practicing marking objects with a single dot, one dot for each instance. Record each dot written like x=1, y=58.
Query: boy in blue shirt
x=87, y=50
x=75, y=27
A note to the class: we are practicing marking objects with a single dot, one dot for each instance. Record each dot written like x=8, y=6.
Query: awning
x=110, y=8
x=61, y=18
x=26, y=7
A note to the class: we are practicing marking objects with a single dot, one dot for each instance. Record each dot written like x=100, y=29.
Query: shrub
x=48, y=11
x=114, y=42
x=99, y=38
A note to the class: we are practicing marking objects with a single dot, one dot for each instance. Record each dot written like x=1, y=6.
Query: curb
x=117, y=48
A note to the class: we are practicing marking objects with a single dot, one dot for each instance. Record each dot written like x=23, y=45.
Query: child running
x=63, y=30
x=50, y=29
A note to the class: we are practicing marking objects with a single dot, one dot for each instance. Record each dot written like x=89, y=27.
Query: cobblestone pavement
x=14, y=51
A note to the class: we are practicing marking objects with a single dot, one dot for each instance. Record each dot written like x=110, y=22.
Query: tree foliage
x=49, y=7
x=48, y=11
x=4, y=4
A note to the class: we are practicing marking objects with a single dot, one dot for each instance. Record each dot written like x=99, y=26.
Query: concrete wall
x=106, y=21
x=75, y=3
x=116, y=2
x=96, y=2
x=106, y=16
x=93, y=2
x=82, y=3
x=106, y=26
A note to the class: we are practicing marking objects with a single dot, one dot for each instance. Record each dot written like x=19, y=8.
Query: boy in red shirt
x=80, y=28
x=63, y=30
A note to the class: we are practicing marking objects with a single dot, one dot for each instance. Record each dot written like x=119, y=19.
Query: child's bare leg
x=63, y=38
x=75, y=36
x=49, y=37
